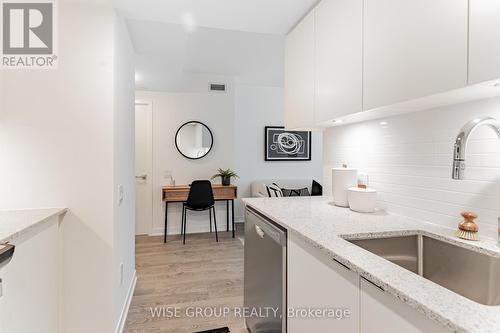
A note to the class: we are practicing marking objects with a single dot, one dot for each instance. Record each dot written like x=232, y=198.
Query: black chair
x=200, y=198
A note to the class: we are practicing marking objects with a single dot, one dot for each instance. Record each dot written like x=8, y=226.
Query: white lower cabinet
x=30, y=283
x=382, y=312
x=318, y=283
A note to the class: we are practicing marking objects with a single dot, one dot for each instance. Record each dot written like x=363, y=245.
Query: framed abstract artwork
x=282, y=145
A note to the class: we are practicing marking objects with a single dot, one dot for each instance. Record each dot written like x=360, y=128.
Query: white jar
x=362, y=200
x=342, y=179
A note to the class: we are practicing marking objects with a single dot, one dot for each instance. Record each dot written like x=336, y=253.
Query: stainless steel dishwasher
x=265, y=274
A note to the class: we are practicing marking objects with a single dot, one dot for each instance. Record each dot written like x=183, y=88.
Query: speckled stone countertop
x=325, y=226
x=15, y=223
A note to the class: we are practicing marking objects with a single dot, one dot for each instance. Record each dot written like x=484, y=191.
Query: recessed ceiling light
x=189, y=21
x=338, y=121
x=384, y=123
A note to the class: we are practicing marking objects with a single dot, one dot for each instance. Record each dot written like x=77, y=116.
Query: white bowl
x=362, y=200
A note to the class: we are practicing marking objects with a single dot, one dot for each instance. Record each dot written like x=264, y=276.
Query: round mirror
x=194, y=140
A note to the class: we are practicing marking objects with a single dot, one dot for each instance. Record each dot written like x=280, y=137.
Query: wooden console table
x=180, y=193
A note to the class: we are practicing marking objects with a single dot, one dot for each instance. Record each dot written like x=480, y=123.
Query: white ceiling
x=168, y=56
x=264, y=16
x=177, y=42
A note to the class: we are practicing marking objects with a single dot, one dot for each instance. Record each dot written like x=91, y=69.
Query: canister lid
x=344, y=169
x=362, y=190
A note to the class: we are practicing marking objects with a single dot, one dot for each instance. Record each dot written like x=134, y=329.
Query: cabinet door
x=412, y=49
x=382, y=312
x=299, y=75
x=30, y=281
x=484, y=43
x=317, y=282
x=339, y=58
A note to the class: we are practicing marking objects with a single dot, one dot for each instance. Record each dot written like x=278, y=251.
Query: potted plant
x=226, y=176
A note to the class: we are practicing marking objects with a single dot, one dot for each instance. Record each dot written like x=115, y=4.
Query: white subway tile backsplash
x=464, y=186
x=457, y=198
x=409, y=163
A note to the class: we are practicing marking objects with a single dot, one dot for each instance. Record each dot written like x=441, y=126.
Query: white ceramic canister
x=362, y=200
x=342, y=179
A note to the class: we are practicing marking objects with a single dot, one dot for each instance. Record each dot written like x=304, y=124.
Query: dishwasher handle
x=265, y=228
x=259, y=231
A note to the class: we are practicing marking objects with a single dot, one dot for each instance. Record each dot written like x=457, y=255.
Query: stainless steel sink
x=471, y=274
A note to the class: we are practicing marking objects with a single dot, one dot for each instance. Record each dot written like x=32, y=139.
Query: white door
x=143, y=167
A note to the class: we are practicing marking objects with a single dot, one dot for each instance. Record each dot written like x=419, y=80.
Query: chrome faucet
x=462, y=139
x=461, y=147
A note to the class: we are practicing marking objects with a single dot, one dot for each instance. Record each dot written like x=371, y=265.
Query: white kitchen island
x=31, y=280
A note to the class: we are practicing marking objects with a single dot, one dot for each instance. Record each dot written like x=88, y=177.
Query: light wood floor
x=201, y=273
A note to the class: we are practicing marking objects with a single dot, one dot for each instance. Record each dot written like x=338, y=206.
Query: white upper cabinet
x=484, y=40
x=299, y=75
x=348, y=56
x=339, y=58
x=413, y=48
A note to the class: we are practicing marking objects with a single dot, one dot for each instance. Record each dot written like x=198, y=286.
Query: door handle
x=143, y=177
x=259, y=231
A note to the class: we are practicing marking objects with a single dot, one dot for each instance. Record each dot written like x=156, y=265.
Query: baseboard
x=126, y=306
x=159, y=231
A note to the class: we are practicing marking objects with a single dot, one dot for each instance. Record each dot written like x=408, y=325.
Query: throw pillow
x=317, y=189
x=274, y=191
x=301, y=192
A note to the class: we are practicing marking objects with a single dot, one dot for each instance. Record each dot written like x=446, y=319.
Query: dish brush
x=468, y=229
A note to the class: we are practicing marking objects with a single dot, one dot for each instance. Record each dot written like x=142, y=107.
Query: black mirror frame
x=194, y=122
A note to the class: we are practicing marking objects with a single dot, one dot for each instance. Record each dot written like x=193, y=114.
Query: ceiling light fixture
x=338, y=121
x=384, y=123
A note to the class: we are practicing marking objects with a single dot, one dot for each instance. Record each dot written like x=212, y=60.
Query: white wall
x=237, y=120
x=170, y=111
x=257, y=107
x=252, y=66
x=124, y=168
x=409, y=162
x=57, y=144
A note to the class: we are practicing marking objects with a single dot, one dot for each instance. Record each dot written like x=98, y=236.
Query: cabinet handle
x=373, y=284
x=341, y=264
x=6, y=252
